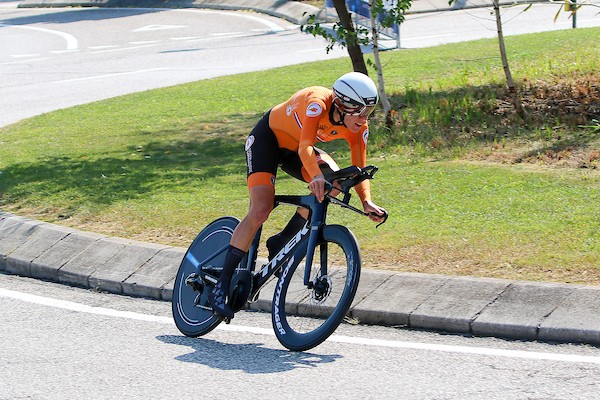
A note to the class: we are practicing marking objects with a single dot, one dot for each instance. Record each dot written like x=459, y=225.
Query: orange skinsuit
x=304, y=119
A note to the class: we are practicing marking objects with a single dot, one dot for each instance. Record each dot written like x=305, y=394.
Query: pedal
x=222, y=318
x=192, y=282
x=240, y=290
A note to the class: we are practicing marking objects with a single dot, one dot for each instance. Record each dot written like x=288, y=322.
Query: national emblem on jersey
x=314, y=110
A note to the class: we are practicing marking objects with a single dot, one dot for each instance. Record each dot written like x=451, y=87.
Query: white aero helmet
x=355, y=94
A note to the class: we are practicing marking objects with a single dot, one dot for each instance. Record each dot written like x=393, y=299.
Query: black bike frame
x=304, y=242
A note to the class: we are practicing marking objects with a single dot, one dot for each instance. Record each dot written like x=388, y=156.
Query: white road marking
x=121, y=49
x=71, y=40
x=146, y=42
x=272, y=25
x=24, y=55
x=530, y=355
x=29, y=60
x=103, y=47
x=10, y=5
x=158, y=28
x=62, y=51
x=186, y=38
x=219, y=34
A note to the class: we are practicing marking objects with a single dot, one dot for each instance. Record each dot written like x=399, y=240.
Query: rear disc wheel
x=191, y=310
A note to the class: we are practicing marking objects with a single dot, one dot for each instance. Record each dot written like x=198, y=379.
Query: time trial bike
x=308, y=303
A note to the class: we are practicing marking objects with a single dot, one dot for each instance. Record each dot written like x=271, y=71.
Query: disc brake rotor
x=321, y=289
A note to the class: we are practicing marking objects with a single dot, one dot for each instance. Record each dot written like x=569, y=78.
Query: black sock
x=294, y=225
x=232, y=259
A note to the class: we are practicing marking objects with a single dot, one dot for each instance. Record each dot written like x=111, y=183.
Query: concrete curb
x=478, y=306
x=292, y=11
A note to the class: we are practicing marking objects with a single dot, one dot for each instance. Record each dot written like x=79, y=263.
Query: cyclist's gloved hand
x=317, y=187
x=375, y=212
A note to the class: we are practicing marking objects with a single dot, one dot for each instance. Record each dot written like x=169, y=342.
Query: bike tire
x=304, y=318
x=193, y=319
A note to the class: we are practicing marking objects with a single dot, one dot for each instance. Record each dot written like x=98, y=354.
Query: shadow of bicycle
x=251, y=358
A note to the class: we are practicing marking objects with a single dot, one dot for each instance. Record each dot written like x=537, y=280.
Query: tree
x=342, y=33
x=350, y=36
x=512, y=90
x=387, y=14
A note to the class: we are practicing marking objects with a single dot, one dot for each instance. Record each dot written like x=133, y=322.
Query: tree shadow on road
x=252, y=358
x=70, y=15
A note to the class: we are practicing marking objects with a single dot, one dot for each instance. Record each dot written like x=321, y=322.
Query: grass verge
x=471, y=188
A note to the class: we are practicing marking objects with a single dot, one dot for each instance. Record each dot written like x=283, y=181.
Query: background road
x=57, y=58
x=67, y=343
x=420, y=30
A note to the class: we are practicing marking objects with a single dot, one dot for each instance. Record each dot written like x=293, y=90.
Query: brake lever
x=385, y=217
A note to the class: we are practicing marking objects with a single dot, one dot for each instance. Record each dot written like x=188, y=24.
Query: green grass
x=159, y=165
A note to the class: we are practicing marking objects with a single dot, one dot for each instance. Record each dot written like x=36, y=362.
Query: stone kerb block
x=370, y=280
x=14, y=231
x=167, y=291
x=7, y=225
x=456, y=304
x=575, y=319
x=77, y=271
x=124, y=263
x=49, y=263
x=520, y=309
x=151, y=278
x=392, y=302
x=42, y=238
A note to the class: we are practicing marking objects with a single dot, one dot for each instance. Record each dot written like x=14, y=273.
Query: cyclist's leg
x=262, y=161
x=261, y=200
x=276, y=242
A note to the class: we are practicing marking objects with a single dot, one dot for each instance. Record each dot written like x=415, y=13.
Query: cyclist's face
x=355, y=122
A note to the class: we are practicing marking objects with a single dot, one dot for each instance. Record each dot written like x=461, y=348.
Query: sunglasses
x=351, y=108
x=363, y=111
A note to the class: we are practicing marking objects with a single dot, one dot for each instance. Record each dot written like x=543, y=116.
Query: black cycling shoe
x=217, y=300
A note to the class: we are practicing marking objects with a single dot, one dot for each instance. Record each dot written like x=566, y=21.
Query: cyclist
x=286, y=136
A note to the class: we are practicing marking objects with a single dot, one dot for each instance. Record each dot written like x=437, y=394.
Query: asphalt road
x=57, y=58
x=60, y=342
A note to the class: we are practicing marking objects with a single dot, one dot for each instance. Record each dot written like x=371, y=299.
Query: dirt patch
x=575, y=101
x=564, y=112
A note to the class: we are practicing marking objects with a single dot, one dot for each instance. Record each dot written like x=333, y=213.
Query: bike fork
x=316, y=223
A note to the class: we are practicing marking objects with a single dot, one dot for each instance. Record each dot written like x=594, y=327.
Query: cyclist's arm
x=358, y=153
x=306, y=149
x=306, y=152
